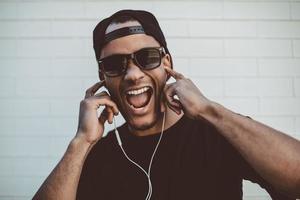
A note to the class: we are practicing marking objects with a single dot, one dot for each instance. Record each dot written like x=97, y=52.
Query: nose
x=133, y=72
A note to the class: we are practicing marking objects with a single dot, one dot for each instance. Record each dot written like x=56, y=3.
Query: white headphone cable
x=151, y=161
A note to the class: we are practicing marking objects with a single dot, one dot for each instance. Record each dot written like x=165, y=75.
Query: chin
x=143, y=123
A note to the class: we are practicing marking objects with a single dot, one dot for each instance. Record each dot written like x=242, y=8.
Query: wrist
x=79, y=141
x=211, y=112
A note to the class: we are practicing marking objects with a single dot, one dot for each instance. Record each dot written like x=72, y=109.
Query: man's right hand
x=90, y=126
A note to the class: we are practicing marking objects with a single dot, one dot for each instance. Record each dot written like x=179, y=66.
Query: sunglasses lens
x=148, y=58
x=114, y=65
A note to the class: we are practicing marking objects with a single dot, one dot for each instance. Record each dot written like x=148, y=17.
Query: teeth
x=137, y=92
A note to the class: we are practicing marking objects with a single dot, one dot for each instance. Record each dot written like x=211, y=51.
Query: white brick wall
x=243, y=54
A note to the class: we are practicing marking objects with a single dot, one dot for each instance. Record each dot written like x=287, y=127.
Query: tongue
x=138, y=100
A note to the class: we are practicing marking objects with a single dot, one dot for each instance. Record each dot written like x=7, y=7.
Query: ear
x=167, y=62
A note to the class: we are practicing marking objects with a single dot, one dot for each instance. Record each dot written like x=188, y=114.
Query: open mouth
x=139, y=98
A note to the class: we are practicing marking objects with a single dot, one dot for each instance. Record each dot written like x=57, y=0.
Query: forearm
x=274, y=155
x=63, y=181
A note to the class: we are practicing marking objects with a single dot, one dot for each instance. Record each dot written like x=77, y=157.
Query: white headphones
x=148, y=174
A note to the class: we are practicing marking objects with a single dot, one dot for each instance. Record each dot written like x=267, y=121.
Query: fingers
x=101, y=99
x=103, y=116
x=106, y=100
x=92, y=90
x=170, y=93
x=173, y=73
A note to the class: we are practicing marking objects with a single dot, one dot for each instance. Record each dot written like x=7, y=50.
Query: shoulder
x=199, y=128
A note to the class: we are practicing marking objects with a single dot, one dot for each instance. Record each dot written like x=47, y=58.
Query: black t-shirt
x=193, y=161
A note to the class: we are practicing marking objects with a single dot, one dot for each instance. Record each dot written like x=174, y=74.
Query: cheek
x=112, y=86
x=159, y=77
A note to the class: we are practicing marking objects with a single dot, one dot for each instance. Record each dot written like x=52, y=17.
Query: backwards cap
x=149, y=24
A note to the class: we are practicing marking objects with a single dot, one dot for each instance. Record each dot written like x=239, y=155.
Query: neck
x=170, y=119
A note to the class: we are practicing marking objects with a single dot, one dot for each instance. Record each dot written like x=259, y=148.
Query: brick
x=210, y=87
x=199, y=10
x=256, y=10
x=240, y=87
x=287, y=29
x=245, y=106
x=23, y=186
x=8, y=87
x=170, y=28
x=20, y=67
x=36, y=48
x=66, y=107
x=279, y=67
x=71, y=47
x=87, y=50
x=296, y=48
x=50, y=47
x=50, y=10
x=68, y=9
x=7, y=126
x=49, y=126
x=284, y=124
x=297, y=124
x=280, y=106
x=258, y=48
x=223, y=67
x=10, y=166
x=31, y=146
x=258, y=87
x=13, y=197
x=49, y=87
x=89, y=82
x=196, y=47
x=73, y=28
x=281, y=87
x=222, y=28
x=8, y=47
x=182, y=65
x=8, y=11
x=23, y=146
x=295, y=10
x=75, y=67
x=25, y=29
x=24, y=107
x=99, y=10
x=35, y=10
x=297, y=86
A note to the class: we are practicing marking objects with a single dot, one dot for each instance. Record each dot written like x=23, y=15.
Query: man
x=175, y=144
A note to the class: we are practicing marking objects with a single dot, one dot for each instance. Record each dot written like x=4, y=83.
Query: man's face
x=138, y=93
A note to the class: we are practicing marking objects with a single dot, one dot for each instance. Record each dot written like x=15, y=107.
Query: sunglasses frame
x=132, y=56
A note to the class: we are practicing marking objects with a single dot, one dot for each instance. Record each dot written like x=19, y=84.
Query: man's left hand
x=189, y=98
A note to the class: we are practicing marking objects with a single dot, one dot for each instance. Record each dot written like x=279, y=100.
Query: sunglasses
x=145, y=58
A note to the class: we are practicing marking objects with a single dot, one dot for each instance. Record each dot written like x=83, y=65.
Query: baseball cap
x=147, y=20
